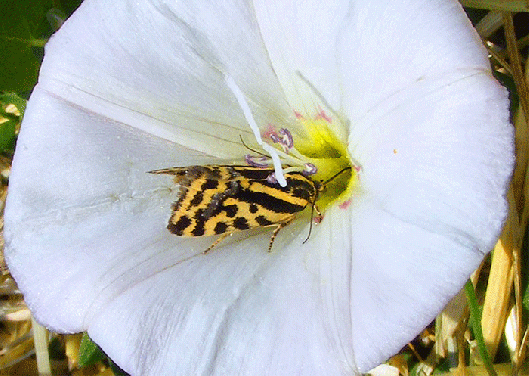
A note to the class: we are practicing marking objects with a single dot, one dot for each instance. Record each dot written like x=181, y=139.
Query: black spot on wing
x=220, y=228
x=303, y=193
x=199, y=229
x=300, y=187
x=240, y=223
x=214, y=172
x=253, y=208
x=254, y=173
x=180, y=225
x=197, y=199
x=231, y=210
x=210, y=184
x=263, y=221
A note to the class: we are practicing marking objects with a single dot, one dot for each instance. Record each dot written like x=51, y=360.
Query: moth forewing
x=220, y=200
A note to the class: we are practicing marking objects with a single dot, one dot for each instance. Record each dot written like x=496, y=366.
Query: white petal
x=429, y=128
x=428, y=161
x=387, y=46
x=302, y=37
x=433, y=181
x=358, y=53
x=243, y=310
x=160, y=68
x=71, y=189
x=401, y=278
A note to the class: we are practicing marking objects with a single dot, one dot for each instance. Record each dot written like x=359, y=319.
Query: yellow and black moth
x=222, y=199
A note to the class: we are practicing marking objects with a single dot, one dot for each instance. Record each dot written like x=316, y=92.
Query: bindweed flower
x=397, y=93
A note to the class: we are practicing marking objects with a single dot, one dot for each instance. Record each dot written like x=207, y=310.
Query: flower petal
x=160, y=67
x=70, y=189
x=438, y=166
x=433, y=184
x=355, y=54
x=301, y=38
x=387, y=46
x=244, y=310
x=429, y=129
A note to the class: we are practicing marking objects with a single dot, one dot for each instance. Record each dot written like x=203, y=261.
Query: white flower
x=131, y=86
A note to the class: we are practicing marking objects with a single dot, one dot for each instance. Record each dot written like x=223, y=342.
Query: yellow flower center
x=335, y=167
x=319, y=153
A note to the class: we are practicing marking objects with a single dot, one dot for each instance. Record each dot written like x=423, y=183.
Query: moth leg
x=274, y=234
x=217, y=241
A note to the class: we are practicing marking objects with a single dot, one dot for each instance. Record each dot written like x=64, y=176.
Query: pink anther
x=310, y=169
x=271, y=178
x=287, y=140
x=260, y=162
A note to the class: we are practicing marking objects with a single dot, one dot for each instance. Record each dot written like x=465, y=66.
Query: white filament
x=230, y=82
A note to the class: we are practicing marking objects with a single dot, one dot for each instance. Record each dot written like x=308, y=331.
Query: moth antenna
x=324, y=183
x=251, y=149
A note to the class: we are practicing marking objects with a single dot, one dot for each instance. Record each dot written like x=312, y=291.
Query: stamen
x=275, y=138
x=310, y=169
x=271, y=178
x=254, y=161
x=243, y=104
x=288, y=140
x=288, y=170
x=289, y=154
x=283, y=138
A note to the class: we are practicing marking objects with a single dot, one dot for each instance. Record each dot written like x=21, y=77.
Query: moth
x=223, y=199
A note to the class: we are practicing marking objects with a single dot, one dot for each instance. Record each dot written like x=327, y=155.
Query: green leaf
x=22, y=38
x=89, y=352
x=25, y=28
x=8, y=135
x=475, y=321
